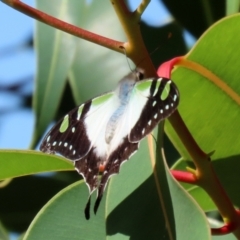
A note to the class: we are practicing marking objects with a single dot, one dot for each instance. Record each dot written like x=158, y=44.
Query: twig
x=66, y=27
x=135, y=47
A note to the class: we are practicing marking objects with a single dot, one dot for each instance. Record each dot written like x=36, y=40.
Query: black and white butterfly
x=105, y=131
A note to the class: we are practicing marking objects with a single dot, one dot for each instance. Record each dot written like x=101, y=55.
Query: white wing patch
x=96, y=122
x=136, y=105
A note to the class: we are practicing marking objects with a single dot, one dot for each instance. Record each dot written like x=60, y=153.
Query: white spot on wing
x=70, y=147
x=105, y=172
x=115, y=161
x=55, y=143
x=161, y=111
x=79, y=114
x=171, y=104
x=155, y=116
x=149, y=122
x=74, y=152
x=60, y=143
x=65, y=144
x=143, y=131
x=174, y=97
x=154, y=103
x=48, y=138
x=167, y=106
x=89, y=169
x=73, y=129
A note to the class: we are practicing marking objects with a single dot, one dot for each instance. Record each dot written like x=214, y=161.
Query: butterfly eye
x=139, y=73
x=141, y=76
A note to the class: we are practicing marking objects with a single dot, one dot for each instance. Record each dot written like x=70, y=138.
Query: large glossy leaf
x=131, y=209
x=16, y=163
x=63, y=217
x=210, y=108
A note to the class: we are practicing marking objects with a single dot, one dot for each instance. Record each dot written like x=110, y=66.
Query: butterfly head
x=139, y=73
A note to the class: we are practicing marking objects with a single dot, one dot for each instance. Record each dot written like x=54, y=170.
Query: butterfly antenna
x=159, y=46
x=87, y=208
x=154, y=50
x=124, y=50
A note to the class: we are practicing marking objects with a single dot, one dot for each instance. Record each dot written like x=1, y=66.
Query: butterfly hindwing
x=159, y=99
x=123, y=152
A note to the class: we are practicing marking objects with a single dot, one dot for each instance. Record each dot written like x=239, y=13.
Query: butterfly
x=102, y=133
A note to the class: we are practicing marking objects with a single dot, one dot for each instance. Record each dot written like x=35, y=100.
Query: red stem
x=182, y=176
x=226, y=229
x=66, y=27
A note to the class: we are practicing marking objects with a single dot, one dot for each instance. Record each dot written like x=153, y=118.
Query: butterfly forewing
x=75, y=134
x=65, y=136
x=158, y=98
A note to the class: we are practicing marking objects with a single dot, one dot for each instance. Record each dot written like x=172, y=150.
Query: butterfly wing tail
x=97, y=203
x=87, y=208
x=89, y=170
x=120, y=155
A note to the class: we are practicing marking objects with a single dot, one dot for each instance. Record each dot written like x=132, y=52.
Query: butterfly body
x=106, y=130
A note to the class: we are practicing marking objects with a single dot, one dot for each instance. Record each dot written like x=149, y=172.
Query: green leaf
x=63, y=217
x=209, y=111
x=15, y=163
x=131, y=208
